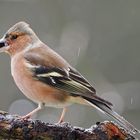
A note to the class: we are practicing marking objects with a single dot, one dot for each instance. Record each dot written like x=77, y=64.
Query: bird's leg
x=40, y=106
x=62, y=115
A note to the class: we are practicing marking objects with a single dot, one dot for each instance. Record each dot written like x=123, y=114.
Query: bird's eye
x=13, y=37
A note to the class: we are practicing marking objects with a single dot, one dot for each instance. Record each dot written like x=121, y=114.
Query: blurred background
x=100, y=38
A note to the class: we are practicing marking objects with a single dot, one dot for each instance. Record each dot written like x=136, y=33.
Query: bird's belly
x=40, y=92
x=33, y=88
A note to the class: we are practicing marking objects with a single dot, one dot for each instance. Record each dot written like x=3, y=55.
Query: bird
x=47, y=79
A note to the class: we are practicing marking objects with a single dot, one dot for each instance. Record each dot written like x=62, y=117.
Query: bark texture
x=12, y=127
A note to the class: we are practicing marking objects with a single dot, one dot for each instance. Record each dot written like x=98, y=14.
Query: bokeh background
x=101, y=38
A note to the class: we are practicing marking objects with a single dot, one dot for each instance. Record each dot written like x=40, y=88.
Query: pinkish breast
x=34, y=89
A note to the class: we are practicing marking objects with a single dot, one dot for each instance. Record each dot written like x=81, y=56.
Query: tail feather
x=108, y=111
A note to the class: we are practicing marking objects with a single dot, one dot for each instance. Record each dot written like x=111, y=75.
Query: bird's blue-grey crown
x=22, y=27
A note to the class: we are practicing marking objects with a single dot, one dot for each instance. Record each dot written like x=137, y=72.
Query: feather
x=62, y=76
x=110, y=112
x=68, y=80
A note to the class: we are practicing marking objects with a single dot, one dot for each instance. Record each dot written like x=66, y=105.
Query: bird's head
x=17, y=38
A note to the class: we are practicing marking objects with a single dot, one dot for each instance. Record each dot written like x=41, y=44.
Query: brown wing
x=55, y=71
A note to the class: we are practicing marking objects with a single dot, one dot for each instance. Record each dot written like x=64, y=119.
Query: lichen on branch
x=13, y=127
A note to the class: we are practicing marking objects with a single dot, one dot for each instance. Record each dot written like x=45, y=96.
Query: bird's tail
x=110, y=112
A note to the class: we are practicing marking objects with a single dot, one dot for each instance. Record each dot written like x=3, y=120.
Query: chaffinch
x=46, y=78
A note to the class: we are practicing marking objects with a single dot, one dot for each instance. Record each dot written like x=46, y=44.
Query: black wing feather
x=75, y=75
x=71, y=81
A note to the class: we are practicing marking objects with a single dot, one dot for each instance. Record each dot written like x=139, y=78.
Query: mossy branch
x=12, y=127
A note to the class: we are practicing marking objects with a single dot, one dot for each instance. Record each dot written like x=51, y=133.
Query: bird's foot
x=60, y=121
x=26, y=117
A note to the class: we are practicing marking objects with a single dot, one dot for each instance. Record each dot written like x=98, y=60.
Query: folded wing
x=67, y=79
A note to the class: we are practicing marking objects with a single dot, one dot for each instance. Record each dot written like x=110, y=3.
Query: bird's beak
x=3, y=45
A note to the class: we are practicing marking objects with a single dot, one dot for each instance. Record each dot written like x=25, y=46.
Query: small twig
x=12, y=127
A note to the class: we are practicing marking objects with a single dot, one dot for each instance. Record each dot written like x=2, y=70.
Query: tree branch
x=13, y=127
